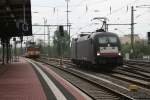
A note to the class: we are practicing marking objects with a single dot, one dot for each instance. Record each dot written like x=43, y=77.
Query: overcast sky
x=83, y=11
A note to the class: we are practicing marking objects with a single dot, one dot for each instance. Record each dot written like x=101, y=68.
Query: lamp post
x=67, y=12
x=132, y=30
x=67, y=15
x=45, y=22
x=132, y=24
x=49, y=46
x=35, y=12
x=68, y=26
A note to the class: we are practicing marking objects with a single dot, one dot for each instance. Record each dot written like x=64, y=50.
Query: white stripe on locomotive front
x=109, y=50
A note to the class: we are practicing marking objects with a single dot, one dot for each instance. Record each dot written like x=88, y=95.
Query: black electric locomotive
x=98, y=48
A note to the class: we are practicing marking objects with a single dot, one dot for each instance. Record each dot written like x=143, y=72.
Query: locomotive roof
x=94, y=34
x=104, y=33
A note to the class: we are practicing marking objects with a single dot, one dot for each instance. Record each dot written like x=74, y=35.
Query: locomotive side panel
x=83, y=50
x=73, y=49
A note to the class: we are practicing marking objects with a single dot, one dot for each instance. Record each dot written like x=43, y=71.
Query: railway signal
x=148, y=35
x=61, y=30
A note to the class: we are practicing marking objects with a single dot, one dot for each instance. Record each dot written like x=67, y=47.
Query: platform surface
x=18, y=81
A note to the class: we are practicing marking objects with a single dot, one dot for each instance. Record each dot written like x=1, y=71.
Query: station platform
x=19, y=81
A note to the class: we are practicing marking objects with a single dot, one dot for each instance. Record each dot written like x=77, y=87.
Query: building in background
x=126, y=39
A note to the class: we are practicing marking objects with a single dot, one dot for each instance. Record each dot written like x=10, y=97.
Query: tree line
x=141, y=49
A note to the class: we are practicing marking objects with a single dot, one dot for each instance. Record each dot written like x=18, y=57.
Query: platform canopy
x=15, y=18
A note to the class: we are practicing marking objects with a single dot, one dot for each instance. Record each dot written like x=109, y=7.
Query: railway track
x=141, y=70
x=123, y=80
x=103, y=82
x=87, y=86
x=138, y=62
x=129, y=73
x=132, y=71
x=128, y=69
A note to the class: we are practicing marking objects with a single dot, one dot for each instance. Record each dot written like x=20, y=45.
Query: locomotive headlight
x=119, y=54
x=98, y=54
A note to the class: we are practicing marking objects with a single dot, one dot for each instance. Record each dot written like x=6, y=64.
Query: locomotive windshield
x=107, y=39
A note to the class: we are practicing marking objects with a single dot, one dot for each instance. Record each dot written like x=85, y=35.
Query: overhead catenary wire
x=119, y=9
x=85, y=4
x=115, y=11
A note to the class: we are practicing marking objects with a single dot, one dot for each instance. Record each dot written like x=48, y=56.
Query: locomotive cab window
x=106, y=39
x=112, y=39
x=103, y=40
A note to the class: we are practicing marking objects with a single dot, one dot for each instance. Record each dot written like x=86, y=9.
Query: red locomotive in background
x=32, y=51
